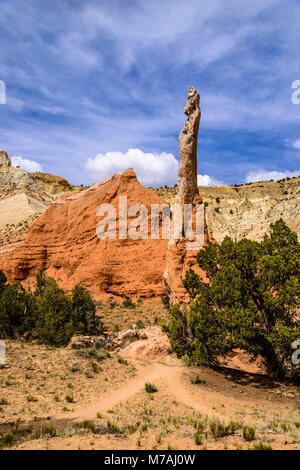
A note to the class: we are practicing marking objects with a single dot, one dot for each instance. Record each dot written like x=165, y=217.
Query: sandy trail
x=149, y=373
x=169, y=378
x=170, y=375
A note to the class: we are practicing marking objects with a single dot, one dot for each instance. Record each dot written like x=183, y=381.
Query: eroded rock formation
x=4, y=160
x=180, y=256
x=188, y=138
x=23, y=197
x=64, y=242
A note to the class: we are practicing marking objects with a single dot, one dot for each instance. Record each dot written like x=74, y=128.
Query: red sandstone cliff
x=63, y=241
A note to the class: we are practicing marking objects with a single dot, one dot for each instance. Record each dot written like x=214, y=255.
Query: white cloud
x=27, y=164
x=205, y=180
x=152, y=169
x=270, y=175
x=297, y=144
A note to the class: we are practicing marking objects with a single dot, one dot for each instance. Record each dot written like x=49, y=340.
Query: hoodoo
x=188, y=138
x=179, y=258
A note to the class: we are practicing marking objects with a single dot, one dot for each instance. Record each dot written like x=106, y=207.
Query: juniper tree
x=251, y=301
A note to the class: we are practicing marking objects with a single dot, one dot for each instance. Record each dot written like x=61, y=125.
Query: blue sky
x=89, y=80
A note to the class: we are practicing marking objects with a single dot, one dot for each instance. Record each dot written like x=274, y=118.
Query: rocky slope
x=247, y=210
x=64, y=242
x=23, y=197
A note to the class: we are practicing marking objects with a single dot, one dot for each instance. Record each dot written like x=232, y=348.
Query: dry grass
x=41, y=381
x=45, y=391
x=117, y=318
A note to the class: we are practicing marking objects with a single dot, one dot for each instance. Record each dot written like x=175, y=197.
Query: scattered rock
x=289, y=394
x=143, y=336
x=82, y=342
x=155, y=345
x=125, y=338
x=286, y=393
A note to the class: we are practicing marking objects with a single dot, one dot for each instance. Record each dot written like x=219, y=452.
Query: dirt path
x=148, y=373
x=170, y=380
x=215, y=397
x=172, y=383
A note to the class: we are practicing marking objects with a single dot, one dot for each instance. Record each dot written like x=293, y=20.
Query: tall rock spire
x=188, y=138
x=179, y=258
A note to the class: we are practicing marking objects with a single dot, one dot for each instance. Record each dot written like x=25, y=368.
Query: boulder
x=82, y=342
x=125, y=338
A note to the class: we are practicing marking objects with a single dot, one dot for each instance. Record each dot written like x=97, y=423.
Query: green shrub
x=196, y=380
x=49, y=431
x=128, y=304
x=113, y=428
x=69, y=398
x=150, y=388
x=139, y=324
x=122, y=360
x=112, y=303
x=250, y=302
x=178, y=331
x=15, y=306
x=234, y=426
x=218, y=429
x=88, y=425
x=6, y=440
x=249, y=433
x=94, y=366
x=48, y=315
x=93, y=353
x=30, y=399
x=55, y=324
x=165, y=300
x=261, y=446
x=3, y=280
x=84, y=312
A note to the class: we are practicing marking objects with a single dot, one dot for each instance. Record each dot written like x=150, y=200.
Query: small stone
x=290, y=395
